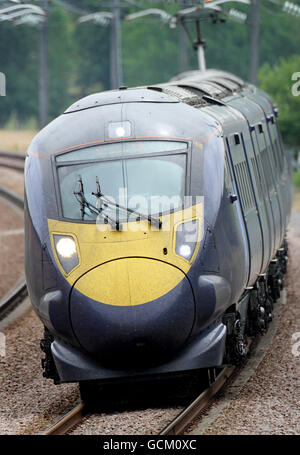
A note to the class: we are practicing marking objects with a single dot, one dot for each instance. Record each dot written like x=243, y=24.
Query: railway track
x=175, y=427
x=68, y=421
x=186, y=417
x=12, y=160
x=74, y=417
x=11, y=300
x=230, y=376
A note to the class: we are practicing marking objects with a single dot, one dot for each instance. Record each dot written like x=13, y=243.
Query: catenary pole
x=254, y=34
x=183, y=50
x=116, y=73
x=43, y=95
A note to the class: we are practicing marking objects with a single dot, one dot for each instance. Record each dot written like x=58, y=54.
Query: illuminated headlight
x=186, y=239
x=66, y=251
x=119, y=129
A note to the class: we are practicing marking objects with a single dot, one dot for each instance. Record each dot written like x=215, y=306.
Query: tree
x=79, y=61
x=60, y=60
x=150, y=52
x=18, y=61
x=278, y=82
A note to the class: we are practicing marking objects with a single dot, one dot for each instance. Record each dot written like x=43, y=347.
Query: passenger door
x=247, y=199
x=265, y=169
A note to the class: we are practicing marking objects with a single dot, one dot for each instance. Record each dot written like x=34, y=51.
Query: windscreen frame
x=56, y=165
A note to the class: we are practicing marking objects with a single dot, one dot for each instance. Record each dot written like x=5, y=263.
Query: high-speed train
x=155, y=222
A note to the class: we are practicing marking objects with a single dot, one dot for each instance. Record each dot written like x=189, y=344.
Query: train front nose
x=132, y=308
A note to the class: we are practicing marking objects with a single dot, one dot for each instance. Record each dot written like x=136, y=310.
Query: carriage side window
x=248, y=187
x=273, y=156
x=266, y=168
x=278, y=155
x=244, y=184
x=240, y=184
x=272, y=164
x=279, y=147
x=276, y=159
x=228, y=175
x=256, y=177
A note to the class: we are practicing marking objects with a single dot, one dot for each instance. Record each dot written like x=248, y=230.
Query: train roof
x=210, y=74
x=193, y=88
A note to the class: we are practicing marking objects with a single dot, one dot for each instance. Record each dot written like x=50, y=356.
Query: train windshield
x=150, y=184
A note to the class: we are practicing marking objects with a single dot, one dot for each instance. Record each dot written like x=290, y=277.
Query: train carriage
x=155, y=222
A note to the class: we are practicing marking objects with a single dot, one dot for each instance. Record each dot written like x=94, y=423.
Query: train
x=155, y=228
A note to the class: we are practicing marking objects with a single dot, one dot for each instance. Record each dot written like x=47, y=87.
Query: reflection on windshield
x=151, y=185
x=120, y=149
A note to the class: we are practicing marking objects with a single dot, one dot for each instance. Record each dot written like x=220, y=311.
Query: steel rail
x=13, y=299
x=68, y=421
x=18, y=293
x=176, y=427
x=14, y=155
x=10, y=165
x=12, y=161
x=185, y=418
x=12, y=197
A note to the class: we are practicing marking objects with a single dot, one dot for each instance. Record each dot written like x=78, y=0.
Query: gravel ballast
x=28, y=402
x=11, y=246
x=13, y=180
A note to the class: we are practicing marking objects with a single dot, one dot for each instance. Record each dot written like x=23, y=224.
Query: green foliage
x=61, y=59
x=79, y=58
x=18, y=61
x=277, y=81
x=228, y=48
x=296, y=179
x=150, y=53
x=92, y=58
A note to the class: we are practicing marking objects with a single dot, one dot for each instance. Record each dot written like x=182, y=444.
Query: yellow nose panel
x=129, y=281
x=127, y=267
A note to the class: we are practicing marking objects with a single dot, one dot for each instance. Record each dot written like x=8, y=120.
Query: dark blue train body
x=155, y=228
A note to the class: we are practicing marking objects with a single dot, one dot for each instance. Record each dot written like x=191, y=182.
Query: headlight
x=186, y=239
x=66, y=251
x=119, y=129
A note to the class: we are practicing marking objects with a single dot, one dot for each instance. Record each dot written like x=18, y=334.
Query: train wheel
x=236, y=342
x=260, y=307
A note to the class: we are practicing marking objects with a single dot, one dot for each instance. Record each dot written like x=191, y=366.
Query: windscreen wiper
x=79, y=195
x=84, y=203
x=101, y=197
